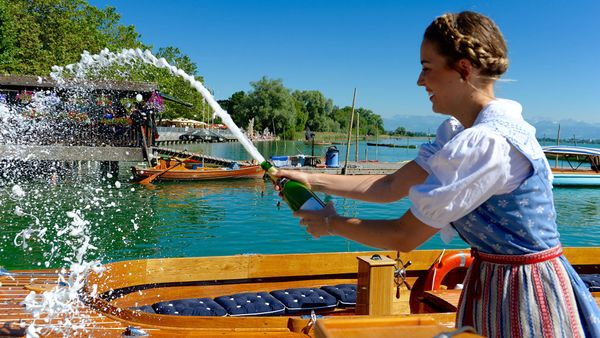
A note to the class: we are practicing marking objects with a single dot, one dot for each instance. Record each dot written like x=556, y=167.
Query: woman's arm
x=370, y=188
x=404, y=234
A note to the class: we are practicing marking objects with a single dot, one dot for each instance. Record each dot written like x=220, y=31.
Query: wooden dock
x=355, y=168
x=69, y=153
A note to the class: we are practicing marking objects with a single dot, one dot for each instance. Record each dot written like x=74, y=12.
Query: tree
x=271, y=105
x=37, y=34
x=235, y=107
x=400, y=131
x=318, y=108
x=370, y=122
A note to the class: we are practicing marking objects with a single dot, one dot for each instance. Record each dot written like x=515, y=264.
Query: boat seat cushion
x=251, y=304
x=302, y=299
x=143, y=308
x=190, y=307
x=344, y=293
x=592, y=281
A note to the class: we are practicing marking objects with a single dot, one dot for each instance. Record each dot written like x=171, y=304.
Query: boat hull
x=200, y=174
x=576, y=179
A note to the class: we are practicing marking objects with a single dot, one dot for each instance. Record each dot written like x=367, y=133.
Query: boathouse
x=86, y=123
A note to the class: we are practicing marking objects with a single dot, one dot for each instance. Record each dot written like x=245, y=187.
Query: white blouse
x=466, y=167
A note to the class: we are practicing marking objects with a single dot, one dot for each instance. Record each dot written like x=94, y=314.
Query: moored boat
x=193, y=170
x=581, y=165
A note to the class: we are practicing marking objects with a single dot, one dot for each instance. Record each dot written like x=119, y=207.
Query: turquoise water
x=182, y=219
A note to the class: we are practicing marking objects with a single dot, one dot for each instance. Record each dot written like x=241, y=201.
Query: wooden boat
x=392, y=145
x=582, y=165
x=119, y=296
x=193, y=170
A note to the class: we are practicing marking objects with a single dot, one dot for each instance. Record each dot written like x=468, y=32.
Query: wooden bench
x=447, y=300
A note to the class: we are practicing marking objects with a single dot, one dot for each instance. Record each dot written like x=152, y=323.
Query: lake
x=182, y=219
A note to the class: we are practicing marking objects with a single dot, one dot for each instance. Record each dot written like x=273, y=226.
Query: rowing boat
x=408, y=291
x=193, y=170
x=151, y=292
x=580, y=165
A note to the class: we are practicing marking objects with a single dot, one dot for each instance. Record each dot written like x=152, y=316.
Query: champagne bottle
x=296, y=194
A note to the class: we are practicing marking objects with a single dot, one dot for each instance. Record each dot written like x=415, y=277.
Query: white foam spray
x=64, y=300
x=128, y=57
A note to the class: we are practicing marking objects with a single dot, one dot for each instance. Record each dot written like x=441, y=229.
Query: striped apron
x=520, y=296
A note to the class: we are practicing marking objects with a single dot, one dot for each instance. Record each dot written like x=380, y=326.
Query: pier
x=355, y=168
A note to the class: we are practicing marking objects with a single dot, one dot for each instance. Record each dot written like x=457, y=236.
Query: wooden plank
x=582, y=255
x=37, y=82
x=70, y=153
x=381, y=327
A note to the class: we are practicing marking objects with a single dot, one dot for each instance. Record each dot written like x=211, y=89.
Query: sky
x=373, y=46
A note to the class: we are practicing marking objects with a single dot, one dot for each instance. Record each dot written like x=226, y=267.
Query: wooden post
x=367, y=146
x=357, y=131
x=376, y=141
x=557, y=143
x=349, y=133
x=374, y=293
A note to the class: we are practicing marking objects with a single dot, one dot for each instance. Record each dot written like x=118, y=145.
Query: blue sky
x=335, y=46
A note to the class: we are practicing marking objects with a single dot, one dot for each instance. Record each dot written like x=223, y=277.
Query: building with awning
x=182, y=123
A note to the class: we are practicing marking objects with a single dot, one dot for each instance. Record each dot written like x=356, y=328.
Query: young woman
x=485, y=177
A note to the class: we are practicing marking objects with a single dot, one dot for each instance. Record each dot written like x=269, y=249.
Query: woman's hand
x=318, y=223
x=295, y=175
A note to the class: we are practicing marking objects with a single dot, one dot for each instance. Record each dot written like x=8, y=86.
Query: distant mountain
x=569, y=128
x=414, y=123
x=544, y=128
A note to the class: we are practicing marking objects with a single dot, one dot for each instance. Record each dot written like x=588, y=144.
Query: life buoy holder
x=440, y=269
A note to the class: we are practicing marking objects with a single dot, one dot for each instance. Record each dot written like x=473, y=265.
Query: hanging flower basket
x=77, y=116
x=117, y=121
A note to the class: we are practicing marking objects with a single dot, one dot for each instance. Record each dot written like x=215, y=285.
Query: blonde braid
x=492, y=61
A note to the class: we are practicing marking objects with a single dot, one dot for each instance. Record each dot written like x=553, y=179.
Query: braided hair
x=471, y=36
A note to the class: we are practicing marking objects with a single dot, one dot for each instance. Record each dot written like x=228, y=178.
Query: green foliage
x=275, y=107
x=37, y=34
x=270, y=104
x=400, y=131
x=318, y=108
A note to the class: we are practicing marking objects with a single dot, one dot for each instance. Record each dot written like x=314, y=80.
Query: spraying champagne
x=296, y=194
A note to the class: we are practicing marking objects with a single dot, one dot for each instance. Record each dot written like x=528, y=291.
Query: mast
x=349, y=133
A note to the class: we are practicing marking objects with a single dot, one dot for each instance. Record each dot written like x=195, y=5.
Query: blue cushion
x=143, y=308
x=592, y=281
x=251, y=304
x=190, y=307
x=302, y=299
x=344, y=293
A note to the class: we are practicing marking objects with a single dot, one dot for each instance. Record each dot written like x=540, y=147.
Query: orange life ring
x=440, y=269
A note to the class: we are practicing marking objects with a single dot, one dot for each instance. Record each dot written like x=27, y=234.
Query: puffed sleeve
x=467, y=171
x=445, y=132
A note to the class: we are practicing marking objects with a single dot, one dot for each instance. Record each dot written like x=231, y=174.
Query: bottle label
x=311, y=204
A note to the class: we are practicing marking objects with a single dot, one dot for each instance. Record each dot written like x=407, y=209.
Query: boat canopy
x=571, y=150
x=576, y=154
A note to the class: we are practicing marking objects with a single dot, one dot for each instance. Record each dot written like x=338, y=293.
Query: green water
x=182, y=219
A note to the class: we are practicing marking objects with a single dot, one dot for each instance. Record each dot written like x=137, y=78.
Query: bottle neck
x=270, y=170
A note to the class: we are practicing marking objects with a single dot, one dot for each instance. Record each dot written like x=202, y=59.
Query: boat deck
x=14, y=319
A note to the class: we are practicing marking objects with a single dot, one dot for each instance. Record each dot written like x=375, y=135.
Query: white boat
x=580, y=165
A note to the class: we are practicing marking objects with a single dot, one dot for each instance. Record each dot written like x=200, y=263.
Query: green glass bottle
x=296, y=194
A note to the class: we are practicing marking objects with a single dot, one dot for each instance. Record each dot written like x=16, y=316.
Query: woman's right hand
x=295, y=175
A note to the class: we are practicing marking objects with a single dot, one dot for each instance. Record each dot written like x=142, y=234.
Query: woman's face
x=442, y=83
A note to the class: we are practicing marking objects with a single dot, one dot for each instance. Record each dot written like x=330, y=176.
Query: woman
x=484, y=177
